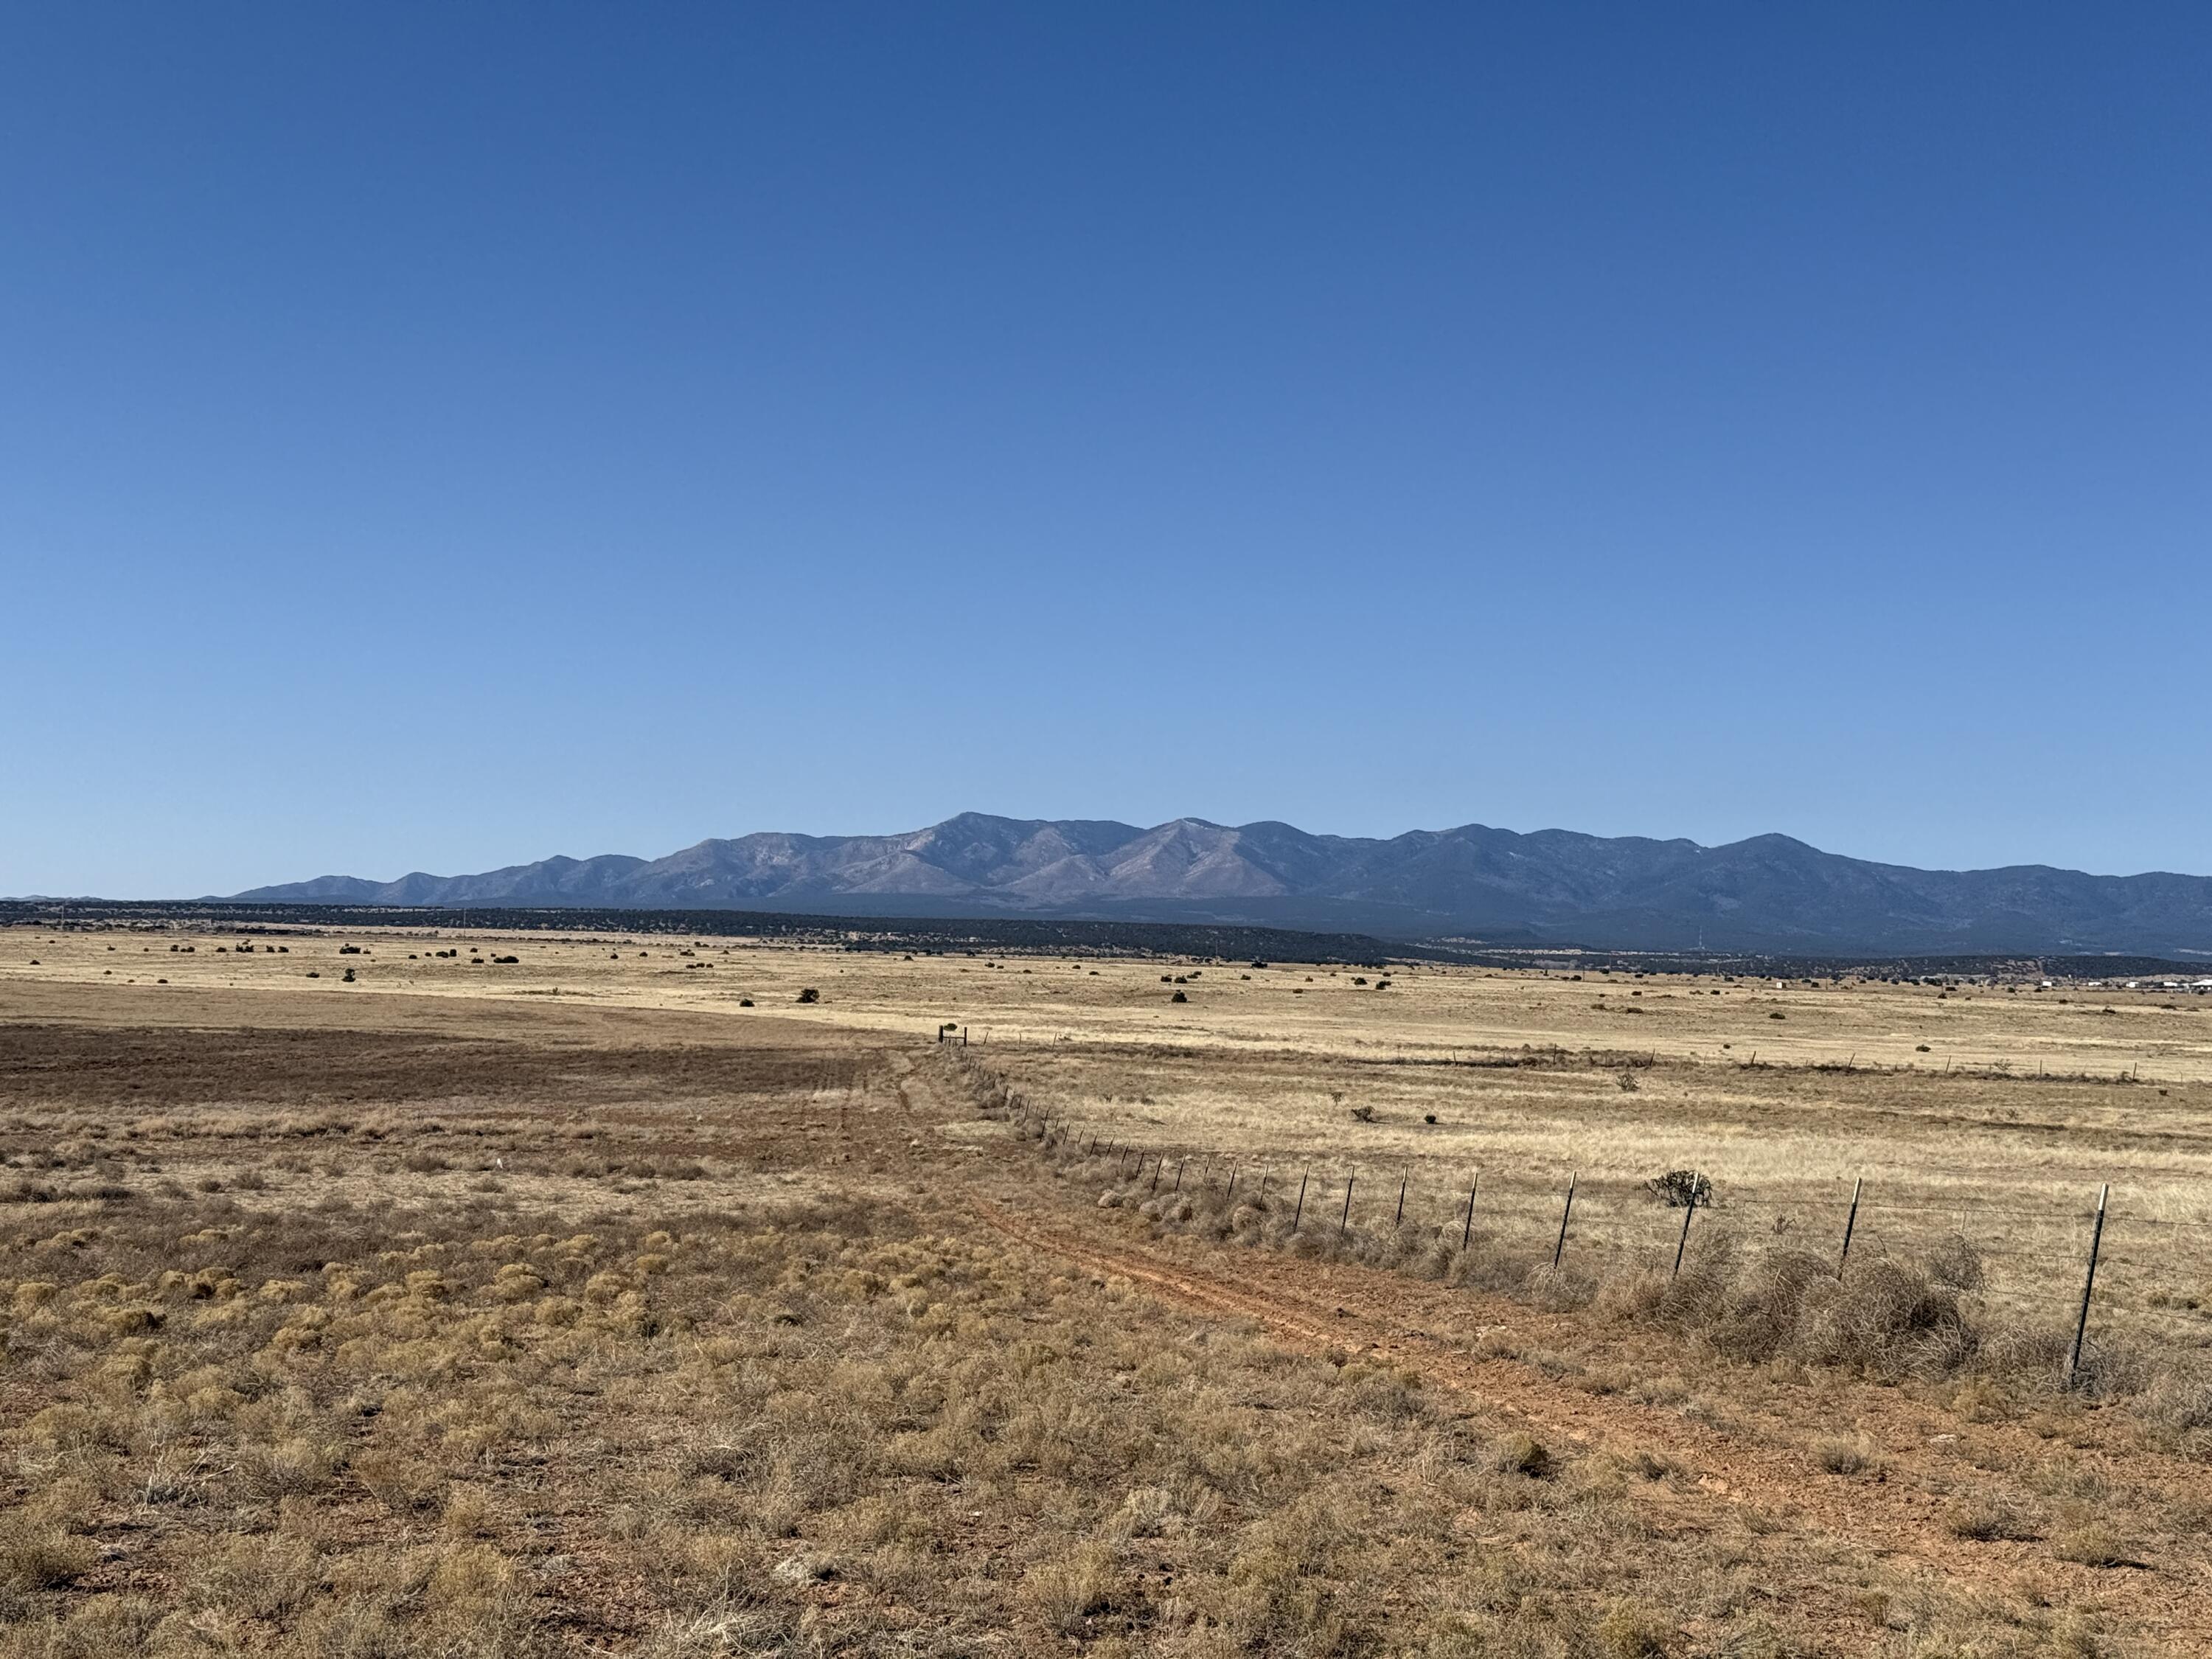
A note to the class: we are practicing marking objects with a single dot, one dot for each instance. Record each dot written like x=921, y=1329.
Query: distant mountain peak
x=1771, y=892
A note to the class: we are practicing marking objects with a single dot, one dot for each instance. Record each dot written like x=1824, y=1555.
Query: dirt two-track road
x=1498, y=1360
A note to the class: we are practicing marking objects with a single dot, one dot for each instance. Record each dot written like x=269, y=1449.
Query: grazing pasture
x=570, y=1294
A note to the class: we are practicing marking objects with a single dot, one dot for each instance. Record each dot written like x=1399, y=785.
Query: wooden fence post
x=1560, y=1248
x=2081, y=1322
x=1850, y=1222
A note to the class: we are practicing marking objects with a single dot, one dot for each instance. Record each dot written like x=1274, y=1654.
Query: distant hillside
x=1768, y=893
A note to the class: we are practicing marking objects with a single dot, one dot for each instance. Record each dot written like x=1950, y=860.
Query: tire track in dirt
x=1900, y=1521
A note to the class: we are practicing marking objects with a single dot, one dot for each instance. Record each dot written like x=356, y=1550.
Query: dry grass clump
x=1629, y=1632
x=2178, y=1407
x=36, y=1553
x=1887, y=1317
x=1522, y=1454
x=1991, y=1516
x=1066, y=1591
x=1846, y=1454
x=2096, y=1544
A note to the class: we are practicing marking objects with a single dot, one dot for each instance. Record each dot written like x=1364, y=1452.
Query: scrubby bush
x=1677, y=1187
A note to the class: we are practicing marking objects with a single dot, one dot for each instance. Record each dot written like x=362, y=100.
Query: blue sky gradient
x=439, y=436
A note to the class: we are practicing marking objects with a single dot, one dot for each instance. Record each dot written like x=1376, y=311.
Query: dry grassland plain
x=611, y=1298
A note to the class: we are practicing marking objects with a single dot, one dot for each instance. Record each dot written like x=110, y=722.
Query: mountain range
x=1768, y=893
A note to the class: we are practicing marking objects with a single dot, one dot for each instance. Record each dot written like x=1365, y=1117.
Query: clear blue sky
x=435, y=436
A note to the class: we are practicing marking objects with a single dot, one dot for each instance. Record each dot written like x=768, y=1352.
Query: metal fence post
x=1683, y=1243
x=1467, y=1231
x=1560, y=1248
x=1850, y=1222
x=1346, y=1216
x=2088, y=1284
x=1297, y=1214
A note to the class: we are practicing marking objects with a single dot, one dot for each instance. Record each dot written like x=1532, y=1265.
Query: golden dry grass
x=438, y=1313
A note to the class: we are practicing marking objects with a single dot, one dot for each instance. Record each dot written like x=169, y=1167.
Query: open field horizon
x=416, y=1146
x=1995, y=1112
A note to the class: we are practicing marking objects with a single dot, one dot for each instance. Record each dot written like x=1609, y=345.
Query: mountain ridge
x=1769, y=891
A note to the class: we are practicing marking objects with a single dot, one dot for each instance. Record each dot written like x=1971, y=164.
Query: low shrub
x=1988, y=1517
x=1677, y=1187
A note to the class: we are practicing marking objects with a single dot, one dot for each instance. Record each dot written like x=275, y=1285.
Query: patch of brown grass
x=1990, y=1516
x=556, y=1345
x=38, y=1554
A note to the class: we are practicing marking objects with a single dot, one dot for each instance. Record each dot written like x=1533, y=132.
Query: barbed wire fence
x=2045, y=1258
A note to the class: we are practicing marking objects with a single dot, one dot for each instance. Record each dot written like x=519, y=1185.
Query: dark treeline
x=1017, y=935
x=851, y=932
